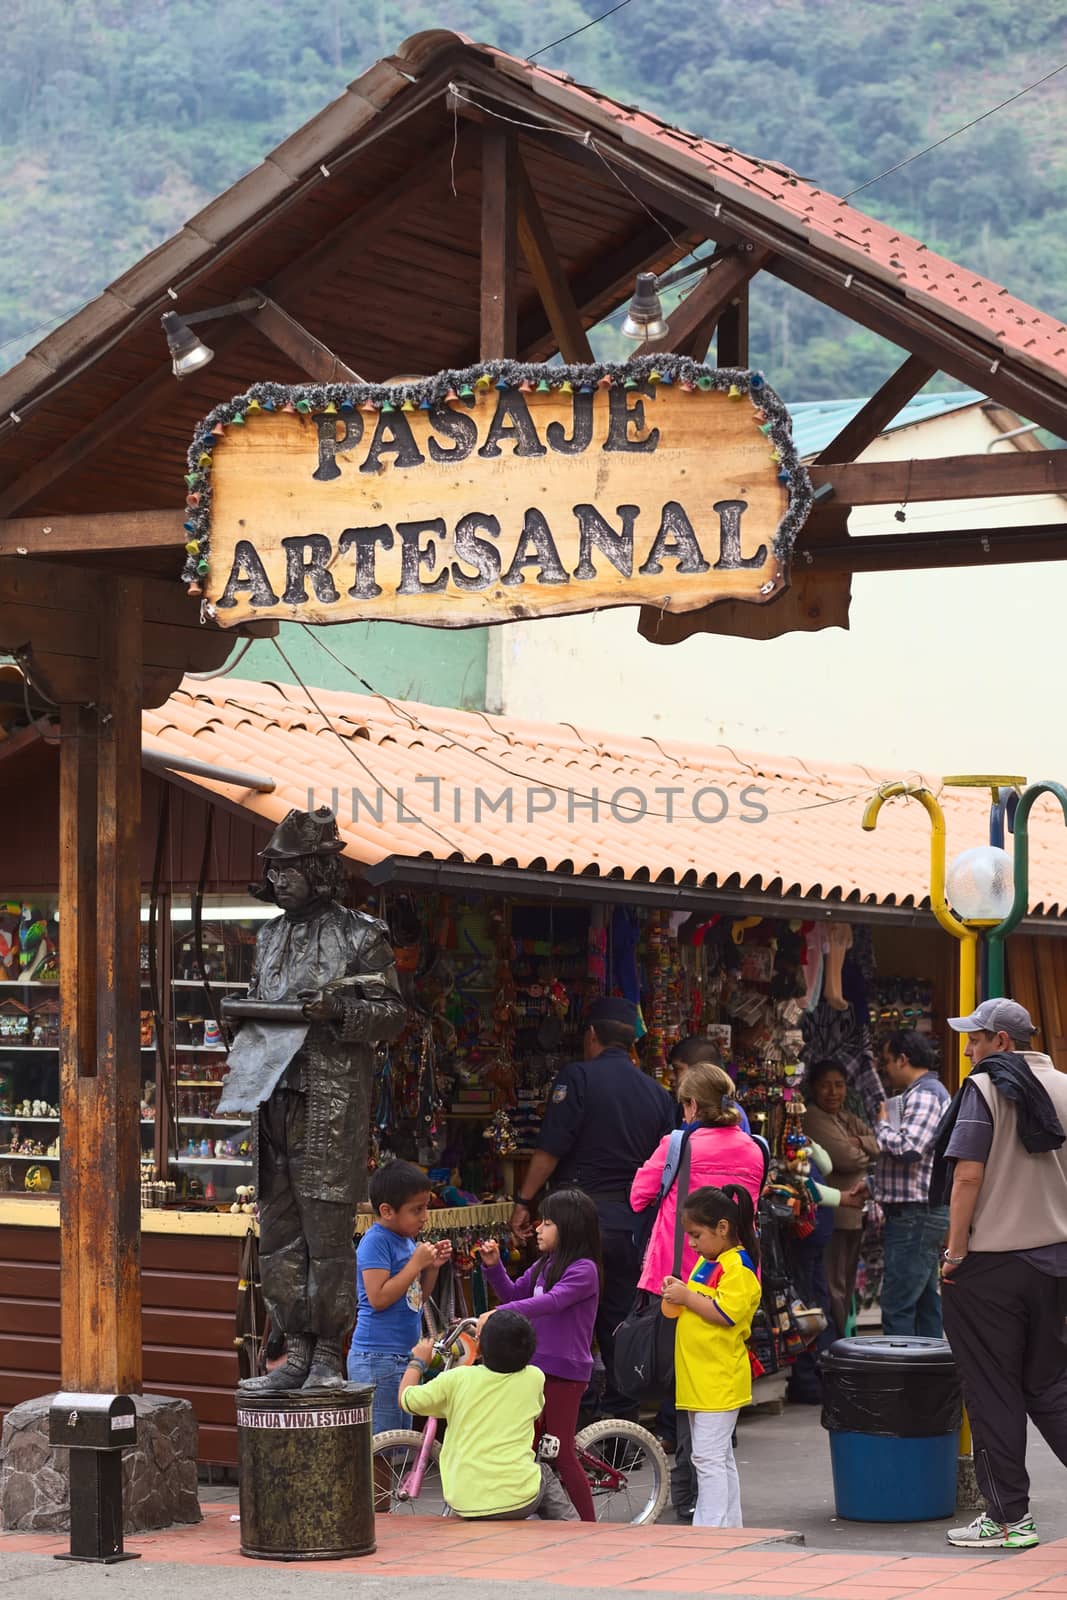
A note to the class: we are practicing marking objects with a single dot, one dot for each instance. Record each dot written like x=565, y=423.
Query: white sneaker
x=981, y=1534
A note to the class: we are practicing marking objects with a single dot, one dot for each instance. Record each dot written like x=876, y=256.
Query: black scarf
x=1038, y=1126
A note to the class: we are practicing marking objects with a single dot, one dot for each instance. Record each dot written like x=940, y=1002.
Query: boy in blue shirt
x=394, y=1276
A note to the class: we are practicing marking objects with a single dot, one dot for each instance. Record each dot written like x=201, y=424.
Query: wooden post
x=499, y=314
x=731, y=335
x=100, y=1069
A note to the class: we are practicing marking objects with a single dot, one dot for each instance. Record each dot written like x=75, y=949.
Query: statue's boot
x=327, y=1368
x=289, y=1376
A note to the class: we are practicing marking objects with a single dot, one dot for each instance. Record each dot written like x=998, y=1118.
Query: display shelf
x=29, y=1049
x=6, y=1118
x=15, y=1155
x=212, y=1161
x=29, y=983
x=204, y=1049
x=199, y=983
x=217, y=1122
x=199, y=1083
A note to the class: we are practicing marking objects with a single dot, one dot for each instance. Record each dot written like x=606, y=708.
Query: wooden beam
x=123, y=414
x=397, y=200
x=326, y=256
x=709, y=299
x=547, y=272
x=731, y=333
x=698, y=342
x=499, y=314
x=872, y=419
x=957, y=351
x=92, y=534
x=980, y=477
x=803, y=260
x=910, y=552
x=302, y=347
x=100, y=1063
x=77, y=1019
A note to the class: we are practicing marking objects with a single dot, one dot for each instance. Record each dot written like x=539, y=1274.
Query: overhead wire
x=346, y=745
x=957, y=131
x=576, y=31
x=457, y=744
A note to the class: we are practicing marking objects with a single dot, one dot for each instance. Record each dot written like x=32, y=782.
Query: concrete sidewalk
x=451, y=1559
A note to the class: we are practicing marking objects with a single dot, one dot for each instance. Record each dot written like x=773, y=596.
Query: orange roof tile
x=415, y=780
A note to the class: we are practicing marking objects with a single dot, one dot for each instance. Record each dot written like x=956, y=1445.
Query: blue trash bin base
x=894, y=1480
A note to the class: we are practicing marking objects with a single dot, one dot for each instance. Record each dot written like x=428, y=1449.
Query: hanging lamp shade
x=644, y=315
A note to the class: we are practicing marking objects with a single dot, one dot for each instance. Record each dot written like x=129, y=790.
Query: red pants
x=563, y=1396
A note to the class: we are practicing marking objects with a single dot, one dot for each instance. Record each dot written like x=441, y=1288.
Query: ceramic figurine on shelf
x=245, y=1201
x=10, y=915
x=36, y=947
x=323, y=994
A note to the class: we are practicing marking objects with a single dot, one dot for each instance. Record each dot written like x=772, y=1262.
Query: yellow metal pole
x=967, y=937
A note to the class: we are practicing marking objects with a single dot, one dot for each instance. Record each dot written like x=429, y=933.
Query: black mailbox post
x=95, y=1428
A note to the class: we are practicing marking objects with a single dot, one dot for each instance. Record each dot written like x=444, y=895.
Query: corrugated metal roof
x=414, y=780
x=817, y=422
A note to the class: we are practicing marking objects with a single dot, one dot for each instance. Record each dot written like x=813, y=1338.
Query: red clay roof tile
x=810, y=842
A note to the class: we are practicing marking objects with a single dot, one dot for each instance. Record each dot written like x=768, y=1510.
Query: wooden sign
x=498, y=493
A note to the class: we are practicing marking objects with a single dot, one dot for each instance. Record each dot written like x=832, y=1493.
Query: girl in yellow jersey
x=712, y=1370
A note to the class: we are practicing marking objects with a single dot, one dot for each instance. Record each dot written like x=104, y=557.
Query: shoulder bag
x=644, y=1342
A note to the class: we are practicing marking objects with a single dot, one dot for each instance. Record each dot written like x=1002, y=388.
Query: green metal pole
x=997, y=936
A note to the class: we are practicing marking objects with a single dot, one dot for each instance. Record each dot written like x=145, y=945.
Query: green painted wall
x=443, y=666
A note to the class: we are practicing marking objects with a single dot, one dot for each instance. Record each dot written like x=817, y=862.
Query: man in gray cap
x=1005, y=1266
x=327, y=975
x=603, y=1120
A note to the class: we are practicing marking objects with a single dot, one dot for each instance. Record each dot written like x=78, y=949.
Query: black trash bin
x=892, y=1407
x=306, y=1478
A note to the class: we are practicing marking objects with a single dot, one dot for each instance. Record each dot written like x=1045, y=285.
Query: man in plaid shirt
x=914, y=1229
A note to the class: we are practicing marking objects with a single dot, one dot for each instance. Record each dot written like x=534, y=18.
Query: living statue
x=323, y=993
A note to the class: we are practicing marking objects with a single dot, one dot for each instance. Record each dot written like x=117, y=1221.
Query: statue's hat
x=304, y=833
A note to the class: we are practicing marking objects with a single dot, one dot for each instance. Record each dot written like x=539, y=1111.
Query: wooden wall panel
x=190, y=1295
x=1037, y=978
x=29, y=838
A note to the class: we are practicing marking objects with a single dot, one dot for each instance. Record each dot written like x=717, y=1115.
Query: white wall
x=945, y=671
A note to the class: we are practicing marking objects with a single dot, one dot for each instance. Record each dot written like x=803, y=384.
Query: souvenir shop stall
x=497, y=984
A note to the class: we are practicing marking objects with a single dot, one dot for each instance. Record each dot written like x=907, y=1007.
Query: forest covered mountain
x=119, y=118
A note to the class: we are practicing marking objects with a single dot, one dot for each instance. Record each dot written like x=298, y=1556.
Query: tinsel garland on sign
x=465, y=387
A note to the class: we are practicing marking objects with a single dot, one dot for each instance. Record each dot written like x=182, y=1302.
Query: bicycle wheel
x=627, y=1471
x=394, y=1454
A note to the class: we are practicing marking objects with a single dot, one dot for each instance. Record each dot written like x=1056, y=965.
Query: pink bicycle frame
x=411, y=1485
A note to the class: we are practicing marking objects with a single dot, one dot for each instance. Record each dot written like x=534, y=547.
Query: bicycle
x=628, y=1474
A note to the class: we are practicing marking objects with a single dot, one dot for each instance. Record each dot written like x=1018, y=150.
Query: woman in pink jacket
x=721, y=1153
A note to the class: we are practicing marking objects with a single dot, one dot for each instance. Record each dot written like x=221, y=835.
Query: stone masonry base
x=158, y=1474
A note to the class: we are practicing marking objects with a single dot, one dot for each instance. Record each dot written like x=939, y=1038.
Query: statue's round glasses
x=279, y=874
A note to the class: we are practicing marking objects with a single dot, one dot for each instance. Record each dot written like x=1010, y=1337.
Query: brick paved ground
x=665, y=1559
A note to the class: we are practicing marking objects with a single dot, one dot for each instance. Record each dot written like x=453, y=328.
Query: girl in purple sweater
x=559, y=1294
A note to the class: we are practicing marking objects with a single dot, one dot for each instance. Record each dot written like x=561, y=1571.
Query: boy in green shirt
x=488, y=1466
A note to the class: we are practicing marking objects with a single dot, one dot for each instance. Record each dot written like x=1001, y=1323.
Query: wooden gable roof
x=366, y=227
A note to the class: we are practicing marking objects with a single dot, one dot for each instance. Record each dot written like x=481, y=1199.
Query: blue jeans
x=381, y=1370
x=913, y=1241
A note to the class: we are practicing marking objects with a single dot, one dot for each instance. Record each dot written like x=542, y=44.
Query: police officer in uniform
x=603, y=1120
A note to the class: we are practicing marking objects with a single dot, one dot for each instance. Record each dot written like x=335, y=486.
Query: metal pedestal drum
x=306, y=1479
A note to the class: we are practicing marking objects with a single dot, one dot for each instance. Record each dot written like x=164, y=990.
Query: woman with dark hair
x=559, y=1294
x=852, y=1148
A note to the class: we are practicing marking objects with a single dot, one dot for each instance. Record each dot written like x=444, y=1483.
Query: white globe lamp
x=980, y=884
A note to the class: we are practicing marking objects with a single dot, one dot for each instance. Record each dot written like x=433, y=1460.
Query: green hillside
x=118, y=118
